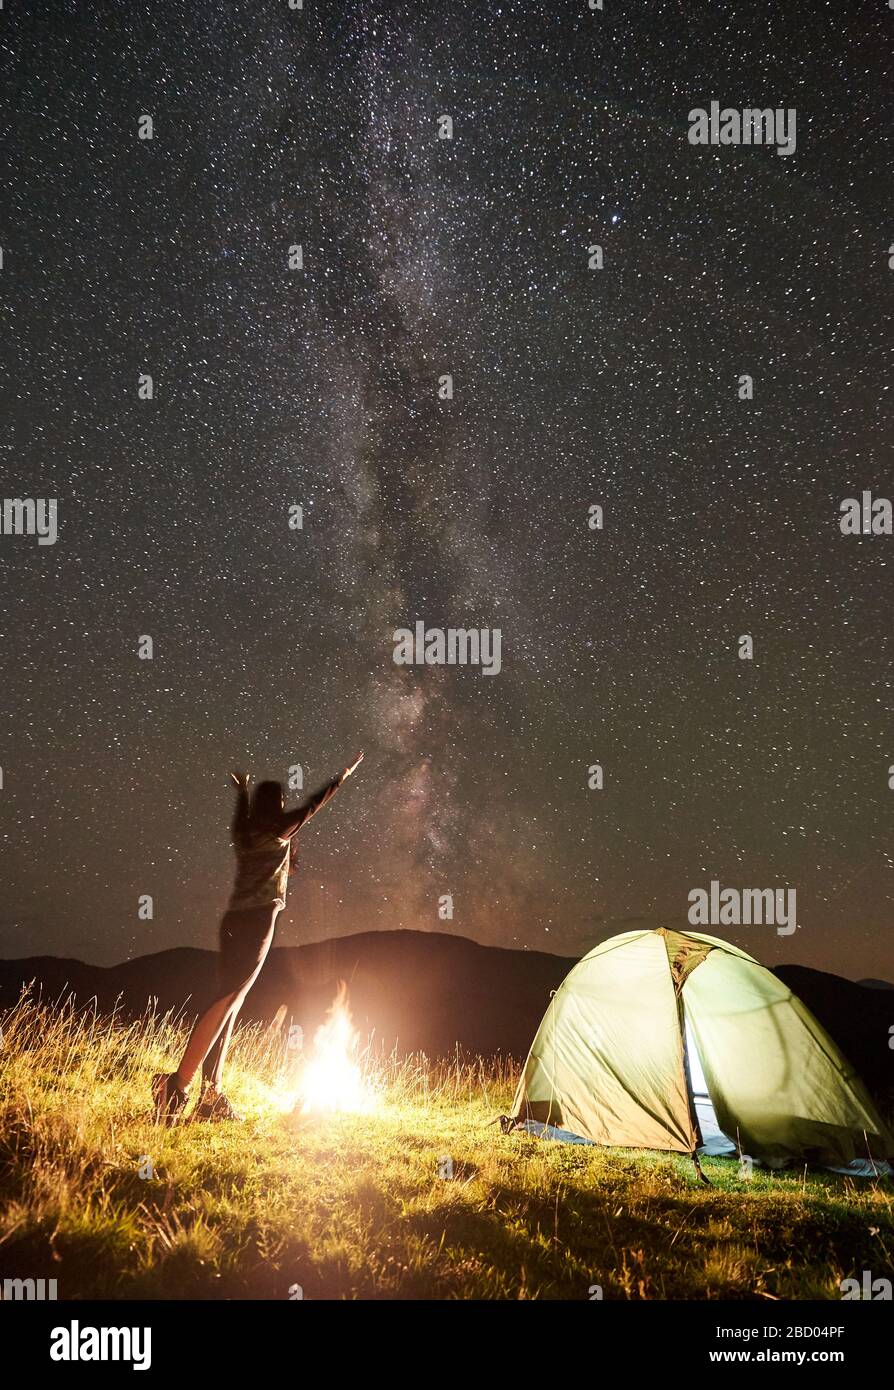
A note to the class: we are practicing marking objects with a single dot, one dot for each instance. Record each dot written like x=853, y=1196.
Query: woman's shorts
x=245, y=939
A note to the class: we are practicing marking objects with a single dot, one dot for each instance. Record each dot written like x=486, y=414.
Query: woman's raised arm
x=293, y=820
x=240, y=815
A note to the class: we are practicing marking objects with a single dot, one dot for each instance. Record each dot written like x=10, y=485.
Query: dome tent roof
x=609, y=1060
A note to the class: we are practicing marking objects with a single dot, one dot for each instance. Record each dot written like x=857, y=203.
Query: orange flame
x=332, y=1079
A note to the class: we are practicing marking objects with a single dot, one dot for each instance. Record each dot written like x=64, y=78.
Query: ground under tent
x=680, y=1041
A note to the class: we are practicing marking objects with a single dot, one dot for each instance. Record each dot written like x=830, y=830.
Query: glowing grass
x=364, y=1205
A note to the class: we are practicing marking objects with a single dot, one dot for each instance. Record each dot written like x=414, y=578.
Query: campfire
x=332, y=1078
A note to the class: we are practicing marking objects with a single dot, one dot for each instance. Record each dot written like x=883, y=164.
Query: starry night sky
x=572, y=388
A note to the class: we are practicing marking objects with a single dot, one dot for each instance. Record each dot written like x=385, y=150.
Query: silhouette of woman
x=264, y=837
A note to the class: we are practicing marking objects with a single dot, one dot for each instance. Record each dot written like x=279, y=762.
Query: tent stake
x=698, y=1169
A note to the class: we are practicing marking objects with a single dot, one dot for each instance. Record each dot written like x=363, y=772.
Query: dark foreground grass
x=354, y=1206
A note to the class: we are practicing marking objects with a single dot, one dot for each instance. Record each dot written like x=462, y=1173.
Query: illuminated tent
x=639, y=1017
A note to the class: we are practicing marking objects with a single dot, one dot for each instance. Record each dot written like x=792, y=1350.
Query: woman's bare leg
x=212, y=1031
x=213, y=1064
x=205, y=1031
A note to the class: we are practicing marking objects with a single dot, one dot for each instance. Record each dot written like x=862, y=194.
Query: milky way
x=572, y=387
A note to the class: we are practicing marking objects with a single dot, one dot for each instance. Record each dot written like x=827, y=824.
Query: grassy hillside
x=352, y=1206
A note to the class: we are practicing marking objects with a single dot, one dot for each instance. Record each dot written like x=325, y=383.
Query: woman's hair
x=266, y=806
